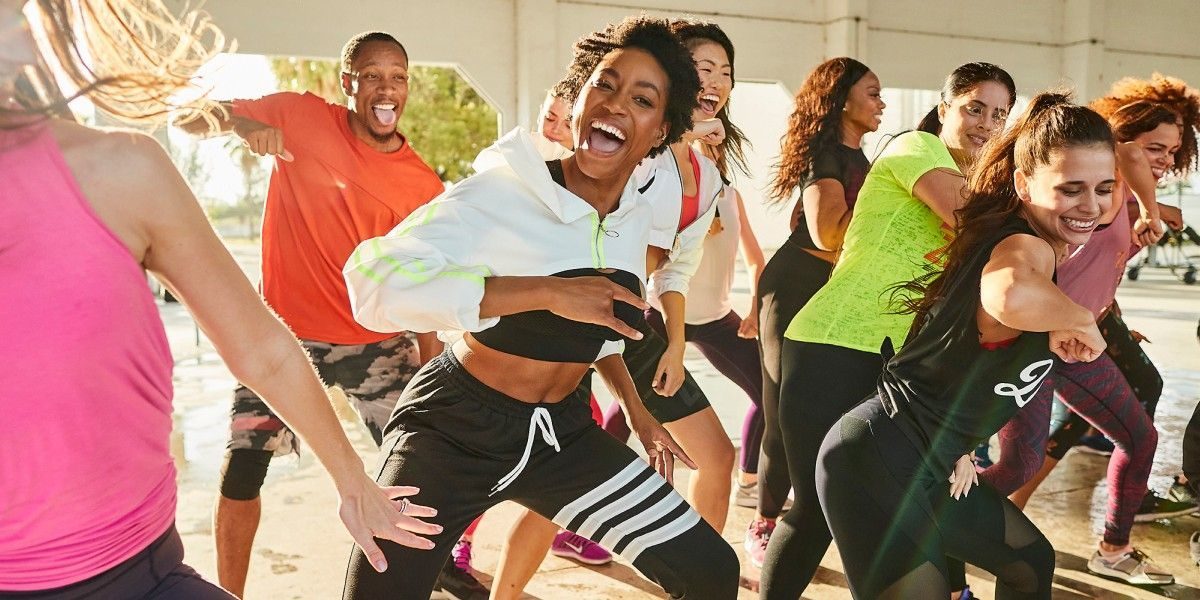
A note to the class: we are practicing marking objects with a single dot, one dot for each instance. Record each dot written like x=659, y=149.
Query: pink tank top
x=86, y=475
x=1092, y=272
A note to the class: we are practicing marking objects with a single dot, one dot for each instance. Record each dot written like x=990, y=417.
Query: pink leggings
x=1098, y=392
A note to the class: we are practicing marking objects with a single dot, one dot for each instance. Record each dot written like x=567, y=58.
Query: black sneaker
x=1180, y=492
x=456, y=579
x=1155, y=507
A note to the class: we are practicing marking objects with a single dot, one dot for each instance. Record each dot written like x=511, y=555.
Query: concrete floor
x=301, y=549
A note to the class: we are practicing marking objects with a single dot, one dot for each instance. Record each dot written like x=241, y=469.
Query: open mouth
x=978, y=140
x=708, y=103
x=604, y=138
x=385, y=112
x=1079, y=225
x=1158, y=172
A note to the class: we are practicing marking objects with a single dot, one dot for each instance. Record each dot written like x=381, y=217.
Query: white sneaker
x=745, y=496
x=1132, y=567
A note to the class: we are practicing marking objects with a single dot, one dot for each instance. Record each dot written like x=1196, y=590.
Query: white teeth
x=605, y=127
x=1077, y=224
x=385, y=106
x=711, y=97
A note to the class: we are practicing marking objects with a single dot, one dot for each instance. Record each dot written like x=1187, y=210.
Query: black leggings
x=895, y=522
x=820, y=383
x=155, y=573
x=469, y=447
x=789, y=280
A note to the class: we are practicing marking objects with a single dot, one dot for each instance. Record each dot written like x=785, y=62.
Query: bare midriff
x=525, y=379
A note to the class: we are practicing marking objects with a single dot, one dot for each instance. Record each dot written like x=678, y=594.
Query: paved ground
x=301, y=549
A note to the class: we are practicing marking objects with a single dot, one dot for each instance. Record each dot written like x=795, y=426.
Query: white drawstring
x=539, y=420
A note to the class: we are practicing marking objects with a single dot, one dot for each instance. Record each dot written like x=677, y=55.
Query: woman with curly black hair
x=541, y=263
x=821, y=156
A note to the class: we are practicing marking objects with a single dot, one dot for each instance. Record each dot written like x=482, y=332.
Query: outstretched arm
x=1017, y=290
x=182, y=250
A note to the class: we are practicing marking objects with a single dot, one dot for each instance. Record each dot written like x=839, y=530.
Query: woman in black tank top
x=986, y=333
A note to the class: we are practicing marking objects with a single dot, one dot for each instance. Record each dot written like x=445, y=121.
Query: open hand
x=661, y=449
x=963, y=477
x=590, y=300
x=371, y=511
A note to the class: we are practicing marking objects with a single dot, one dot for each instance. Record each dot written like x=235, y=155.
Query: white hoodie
x=511, y=218
x=660, y=181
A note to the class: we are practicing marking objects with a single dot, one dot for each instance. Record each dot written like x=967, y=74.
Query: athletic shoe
x=1132, y=567
x=1194, y=547
x=1155, y=507
x=757, y=536
x=982, y=460
x=456, y=578
x=1180, y=492
x=580, y=549
x=745, y=496
x=1095, y=444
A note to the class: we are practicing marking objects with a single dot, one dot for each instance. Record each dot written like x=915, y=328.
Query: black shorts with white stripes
x=469, y=447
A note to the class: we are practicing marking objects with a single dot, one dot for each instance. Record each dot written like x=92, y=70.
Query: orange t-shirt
x=337, y=193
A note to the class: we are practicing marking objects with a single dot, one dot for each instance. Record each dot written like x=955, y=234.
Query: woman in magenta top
x=85, y=464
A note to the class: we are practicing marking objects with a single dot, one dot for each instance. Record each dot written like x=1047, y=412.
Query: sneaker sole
x=577, y=558
x=1150, y=517
x=1120, y=576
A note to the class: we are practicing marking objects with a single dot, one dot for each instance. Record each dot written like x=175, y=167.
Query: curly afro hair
x=1135, y=106
x=655, y=37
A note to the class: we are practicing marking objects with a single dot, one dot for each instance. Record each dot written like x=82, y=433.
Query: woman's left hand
x=963, y=477
x=370, y=511
x=749, y=327
x=668, y=377
x=661, y=449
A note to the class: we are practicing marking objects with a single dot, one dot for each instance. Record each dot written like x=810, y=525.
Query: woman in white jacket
x=541, y=263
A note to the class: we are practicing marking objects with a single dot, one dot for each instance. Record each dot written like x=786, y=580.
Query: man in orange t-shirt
x=342, y=175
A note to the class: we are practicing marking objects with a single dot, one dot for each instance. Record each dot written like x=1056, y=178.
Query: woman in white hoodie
x=541, y=263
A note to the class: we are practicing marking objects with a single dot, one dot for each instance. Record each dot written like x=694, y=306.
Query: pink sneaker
x=576, y=547
x=757, y=535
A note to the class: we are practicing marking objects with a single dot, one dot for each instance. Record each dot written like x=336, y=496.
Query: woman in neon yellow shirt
x=832, y=353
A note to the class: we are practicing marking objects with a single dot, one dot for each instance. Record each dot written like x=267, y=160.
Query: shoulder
x=119, y=155
x=1022, y=248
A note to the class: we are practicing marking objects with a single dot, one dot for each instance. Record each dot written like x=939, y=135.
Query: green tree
x=445, y=120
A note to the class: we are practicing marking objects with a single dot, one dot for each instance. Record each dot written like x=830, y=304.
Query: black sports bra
x=543, y=335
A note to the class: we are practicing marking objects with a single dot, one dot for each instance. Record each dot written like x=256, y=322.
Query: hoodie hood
x=518, y=151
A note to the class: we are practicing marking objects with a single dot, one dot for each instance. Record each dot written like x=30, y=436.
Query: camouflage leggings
x=372, y=376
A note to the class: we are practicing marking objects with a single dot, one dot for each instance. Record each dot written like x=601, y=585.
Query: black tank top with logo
x=946, y=391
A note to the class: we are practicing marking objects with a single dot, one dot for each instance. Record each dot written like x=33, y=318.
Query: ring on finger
x=404, y=505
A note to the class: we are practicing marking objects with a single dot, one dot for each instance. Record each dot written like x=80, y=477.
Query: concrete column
x=846, y=28
x=1083, y=47
x=535, y=57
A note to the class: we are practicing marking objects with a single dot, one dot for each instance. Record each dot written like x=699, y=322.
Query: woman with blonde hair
x=88, y=477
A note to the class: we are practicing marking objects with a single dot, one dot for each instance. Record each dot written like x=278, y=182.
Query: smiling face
x=973, y=118
x=554, y=121
x=864, y=106
x=378, y=87
x=716, y=79
x=620, y=114
x=17, y=48
x=1160, y=145
x=1064, y=198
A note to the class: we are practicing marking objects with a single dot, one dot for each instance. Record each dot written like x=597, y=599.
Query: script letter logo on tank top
x=1031, y=377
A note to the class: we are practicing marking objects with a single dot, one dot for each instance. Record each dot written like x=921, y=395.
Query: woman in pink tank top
x=88, y=479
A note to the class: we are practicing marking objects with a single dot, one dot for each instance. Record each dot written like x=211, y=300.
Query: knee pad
x=243, y=473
